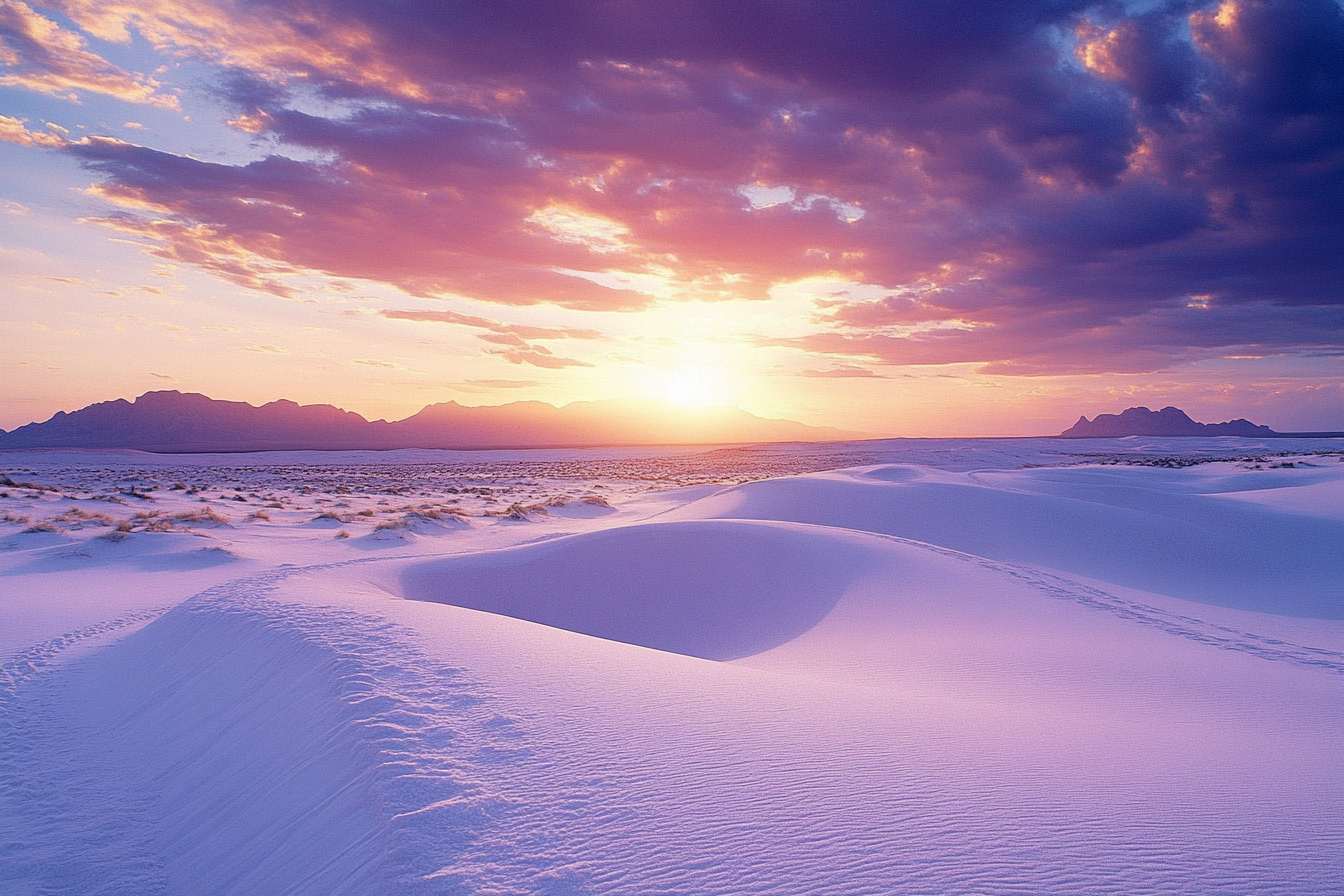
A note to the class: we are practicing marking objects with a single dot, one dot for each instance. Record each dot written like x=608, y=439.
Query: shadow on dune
x=718, y=590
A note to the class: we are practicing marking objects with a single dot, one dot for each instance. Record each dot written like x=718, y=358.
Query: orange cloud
x=467, y=320
x=203, y=246
x=12, y=130
x=538, y=356
x=40, y=55
x=514, y=336
x=251, y=38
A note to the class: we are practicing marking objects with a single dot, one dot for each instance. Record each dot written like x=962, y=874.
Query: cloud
x=537, y=356
x=252, y=224
x=14, y=130
x=522, y=331
x=378, y=362
x=842, y=373
x=515, y=336
x=504, y=384
x=38, y=54
x=1054, y=342
x=1038, y=186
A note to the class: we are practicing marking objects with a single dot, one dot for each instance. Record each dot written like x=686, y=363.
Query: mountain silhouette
x=1166, y=422
x=190, y=422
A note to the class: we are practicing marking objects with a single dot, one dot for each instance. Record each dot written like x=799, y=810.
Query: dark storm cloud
x=1054, y=182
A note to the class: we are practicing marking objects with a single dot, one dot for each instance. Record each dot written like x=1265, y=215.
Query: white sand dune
x=888, y=679
x=1155, y=530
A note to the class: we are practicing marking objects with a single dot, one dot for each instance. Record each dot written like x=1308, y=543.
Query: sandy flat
x=881, y=668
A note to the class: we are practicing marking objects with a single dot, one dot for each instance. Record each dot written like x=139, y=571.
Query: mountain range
x=172, y=421
x=1166, y=422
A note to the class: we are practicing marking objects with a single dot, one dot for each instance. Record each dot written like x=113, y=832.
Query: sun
x=693, y=387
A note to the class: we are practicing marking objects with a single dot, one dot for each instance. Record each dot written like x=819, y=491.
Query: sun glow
x=695, y=387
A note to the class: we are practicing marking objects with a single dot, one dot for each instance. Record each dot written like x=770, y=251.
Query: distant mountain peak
x=1170, y=421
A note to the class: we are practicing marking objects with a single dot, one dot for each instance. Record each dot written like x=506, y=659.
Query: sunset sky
x=918, y=218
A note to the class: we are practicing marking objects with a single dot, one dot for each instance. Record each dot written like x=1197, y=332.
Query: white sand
x=933, y=671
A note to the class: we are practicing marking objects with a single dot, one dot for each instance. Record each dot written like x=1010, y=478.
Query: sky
x=904, y=219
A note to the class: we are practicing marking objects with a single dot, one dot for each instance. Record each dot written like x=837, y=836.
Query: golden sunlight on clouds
x=593, y=232
x=1094, y=49
x=12, y=130
x=56, y=61
x=234, y=35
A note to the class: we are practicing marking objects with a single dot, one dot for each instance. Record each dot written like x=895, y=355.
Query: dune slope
x=1148, y=529
x=717, y=590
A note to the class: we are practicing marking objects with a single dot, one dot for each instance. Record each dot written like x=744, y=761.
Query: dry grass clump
x=34, y=486
x=425, y=513
x=566, y=500
x=342, y=534
x=15, y=518
x=145, y=521
x=206, y=514
x=261, y=515
x=520, y=512
x=331, y=515
x=40, y=527
x=123, y=529
x=78, y=517
x=436, y=511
